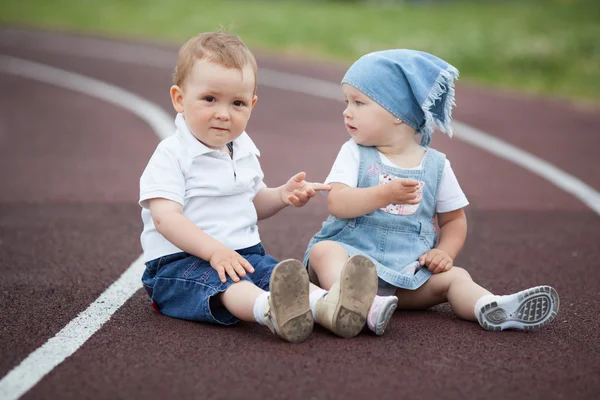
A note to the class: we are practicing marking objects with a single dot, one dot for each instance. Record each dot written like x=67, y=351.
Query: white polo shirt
x=216, y=191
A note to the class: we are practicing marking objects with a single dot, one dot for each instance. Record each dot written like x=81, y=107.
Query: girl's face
x=367, y=122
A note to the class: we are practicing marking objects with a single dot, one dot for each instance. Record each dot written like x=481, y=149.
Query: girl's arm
x=348, y=202
x=453, y=232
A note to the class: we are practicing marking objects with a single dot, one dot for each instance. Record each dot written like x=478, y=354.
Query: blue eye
x=359, y=103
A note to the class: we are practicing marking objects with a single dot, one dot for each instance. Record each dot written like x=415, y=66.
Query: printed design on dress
x=374, y=169
x=400, y=209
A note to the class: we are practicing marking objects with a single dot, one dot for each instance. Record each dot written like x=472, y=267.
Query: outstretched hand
x=297, y=191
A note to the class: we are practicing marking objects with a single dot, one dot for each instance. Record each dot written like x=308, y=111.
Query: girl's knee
x=321, y=250
x=459, y=273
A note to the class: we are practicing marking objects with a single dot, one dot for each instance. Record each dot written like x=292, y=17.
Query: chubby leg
x=285, y=309
x=239, y=299
x=327, y=259
x=352, y=284
x=526, y=310
x=454, y=286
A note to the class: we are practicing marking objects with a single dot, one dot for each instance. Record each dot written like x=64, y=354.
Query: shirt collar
x=242, y=146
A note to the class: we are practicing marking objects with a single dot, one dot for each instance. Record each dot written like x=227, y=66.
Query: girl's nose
x=346, y=113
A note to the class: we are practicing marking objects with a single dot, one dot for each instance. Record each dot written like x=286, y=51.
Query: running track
x=69, y=227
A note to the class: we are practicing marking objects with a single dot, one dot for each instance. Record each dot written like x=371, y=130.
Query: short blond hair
x=221, y=48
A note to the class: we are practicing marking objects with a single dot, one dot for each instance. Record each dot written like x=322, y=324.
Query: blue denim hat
x=414, y=86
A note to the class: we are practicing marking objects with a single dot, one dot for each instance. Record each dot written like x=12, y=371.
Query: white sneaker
x=526, y=310
x=381, y=312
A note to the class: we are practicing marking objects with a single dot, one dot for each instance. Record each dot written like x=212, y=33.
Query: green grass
x=550, y=46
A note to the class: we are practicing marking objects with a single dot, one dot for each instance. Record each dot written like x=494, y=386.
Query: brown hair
x=221, y=48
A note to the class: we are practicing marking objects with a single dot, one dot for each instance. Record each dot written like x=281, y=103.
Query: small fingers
x=300, y=195
x=409, y=182
x=231, y=273
x=239, y=269
x=441, y=267
x=247, y=266
x=221, y=272
x=433, y=264
x=320, y=186
x=294, y=200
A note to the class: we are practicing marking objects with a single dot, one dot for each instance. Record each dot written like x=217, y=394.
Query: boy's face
x=367, y=122
x=216, y=102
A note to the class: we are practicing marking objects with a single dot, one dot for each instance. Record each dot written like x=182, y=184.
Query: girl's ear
x=177, y=98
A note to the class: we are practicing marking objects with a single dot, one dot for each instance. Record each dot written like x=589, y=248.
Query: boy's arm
x=268, y=202
x=348, y=202
x=453, y=232
x=178, y=229
x=296, y=192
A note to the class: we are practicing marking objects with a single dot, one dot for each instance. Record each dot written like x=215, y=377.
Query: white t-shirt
x=345, y=170
x=216, y=191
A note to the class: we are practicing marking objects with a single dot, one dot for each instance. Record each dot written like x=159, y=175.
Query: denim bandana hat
x=412, y=85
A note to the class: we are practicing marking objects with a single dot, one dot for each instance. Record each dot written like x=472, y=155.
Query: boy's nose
x=346, y=113
x=222, y=114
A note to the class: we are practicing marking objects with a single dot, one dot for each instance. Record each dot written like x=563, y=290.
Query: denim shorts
x=182, y=285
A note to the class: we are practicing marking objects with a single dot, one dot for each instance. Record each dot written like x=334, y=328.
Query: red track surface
x=70, y=224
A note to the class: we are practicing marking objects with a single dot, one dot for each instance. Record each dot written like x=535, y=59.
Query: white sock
x=375, y=300
x=315, y=296
x=259, y=307
x=481, y=302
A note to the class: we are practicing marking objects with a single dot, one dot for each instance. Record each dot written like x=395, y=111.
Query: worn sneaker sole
x=358, y=286
x=526, y=310
x=289, y=302
x=388, y=307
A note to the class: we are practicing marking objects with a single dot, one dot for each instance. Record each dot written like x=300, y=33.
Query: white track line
x=43, y=360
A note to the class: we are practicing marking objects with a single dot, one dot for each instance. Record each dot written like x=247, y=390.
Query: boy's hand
x=402, y=191
x=436, y=261
x=297, y=191
x=225, y=260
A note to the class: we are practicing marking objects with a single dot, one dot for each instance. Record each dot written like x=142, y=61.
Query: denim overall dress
x=395, y=237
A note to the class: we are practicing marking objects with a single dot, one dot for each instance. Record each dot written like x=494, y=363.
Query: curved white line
x=39, y=363
x=148, y=56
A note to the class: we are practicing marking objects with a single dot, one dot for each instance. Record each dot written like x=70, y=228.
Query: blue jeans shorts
x=183, y=286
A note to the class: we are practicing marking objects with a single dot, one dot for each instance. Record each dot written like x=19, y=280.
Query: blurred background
x=547, y=47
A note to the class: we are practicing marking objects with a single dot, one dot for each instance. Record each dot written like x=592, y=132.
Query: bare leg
x=327, y=260
x=454, y=286
x=239, y=299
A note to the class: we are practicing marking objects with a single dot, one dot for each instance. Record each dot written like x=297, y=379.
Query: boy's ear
x=177, y=98
x=254, y=100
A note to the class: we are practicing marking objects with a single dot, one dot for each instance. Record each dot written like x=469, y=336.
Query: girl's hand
x=402, y=191
x=225, y=260
x=436, y=261
x=297, y=191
